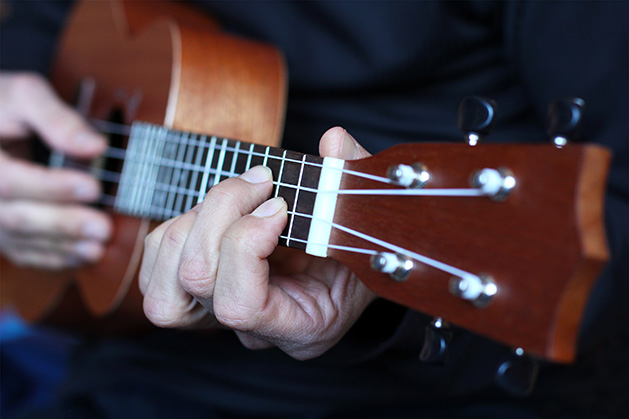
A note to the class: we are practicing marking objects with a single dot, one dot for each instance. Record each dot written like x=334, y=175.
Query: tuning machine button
x=479, y=290
x=476, y=117
x=497, y=183
x=517, y=374
x=436, y=339
x=414, y=176
x=396, y=265
x=565, y=117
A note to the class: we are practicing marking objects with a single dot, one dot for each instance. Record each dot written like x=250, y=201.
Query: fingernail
x=258, y=174
x=95, y=230
x=87, y=250
x=270, y=207
x=86, y=192
x=88, y=140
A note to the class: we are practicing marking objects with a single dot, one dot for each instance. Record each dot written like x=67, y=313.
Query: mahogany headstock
x=542, y=243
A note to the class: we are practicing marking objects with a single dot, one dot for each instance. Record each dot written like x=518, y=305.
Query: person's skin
x=219, y=264
x=207, y=267
x=44, y=220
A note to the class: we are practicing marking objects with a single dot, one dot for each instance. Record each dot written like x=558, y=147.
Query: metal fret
x=206, y=171
x=185, y=172
x=292, y=215
x=152, y=175
x=195, y=175
x=166, y=172
x=221, y=161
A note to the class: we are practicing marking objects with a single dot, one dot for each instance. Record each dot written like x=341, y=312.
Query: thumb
x=337, y=142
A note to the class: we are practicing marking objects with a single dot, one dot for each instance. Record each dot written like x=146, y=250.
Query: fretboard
x=167, y=172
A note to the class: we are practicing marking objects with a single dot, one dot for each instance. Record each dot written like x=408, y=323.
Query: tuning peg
x=436, y=339
x=476, y=116
x=564, y=120
x=396, y=265
x=517, y=374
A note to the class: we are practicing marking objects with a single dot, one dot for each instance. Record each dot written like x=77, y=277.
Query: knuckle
x=162, y=314
x=27, y=82
x=196, y=277
x=12, y=221
x=234, y=316
x=174, y=237
x=153, y=240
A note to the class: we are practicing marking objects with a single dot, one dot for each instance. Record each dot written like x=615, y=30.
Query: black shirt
x=391, y=72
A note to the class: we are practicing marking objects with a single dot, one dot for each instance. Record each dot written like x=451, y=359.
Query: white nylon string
x=408, y=253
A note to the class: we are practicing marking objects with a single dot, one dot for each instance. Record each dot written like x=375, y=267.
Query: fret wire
x=143, y=142
x=174, y=180
x=143, y=184
x=169, y=150
x=292, y=218
x=220, y=163
x=281, y=173
x=122, y=194
x=195, y=177
x=185, y=175
x=149, y=163
x=232, y=171
x=248, y=166
x=159, y=150
x=206, y=173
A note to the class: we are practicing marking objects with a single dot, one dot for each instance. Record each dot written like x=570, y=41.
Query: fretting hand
x=43, y=220
x=218, y=264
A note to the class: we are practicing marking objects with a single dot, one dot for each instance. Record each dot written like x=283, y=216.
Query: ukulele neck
x=167, y=172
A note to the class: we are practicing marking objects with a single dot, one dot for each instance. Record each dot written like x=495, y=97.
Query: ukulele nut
x=496, y=183
x=414, y=176
x=479, y=290
x=396, y=265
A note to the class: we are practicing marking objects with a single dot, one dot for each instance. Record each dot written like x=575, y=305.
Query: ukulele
x=503, y=240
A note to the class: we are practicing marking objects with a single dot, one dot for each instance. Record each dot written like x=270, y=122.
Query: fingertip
x=331, y=142
x=337, y=142
x=270, y=208
x=87, y=144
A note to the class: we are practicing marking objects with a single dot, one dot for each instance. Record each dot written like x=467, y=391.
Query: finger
x=337, y=142
x=20, y=179
x=40, y=259
x=151, y=249
x=79, y=250
x=224, y=204
x=31, y=104
x=252, y=342
x=242, y=295
x=166, y=303
x=54, y=220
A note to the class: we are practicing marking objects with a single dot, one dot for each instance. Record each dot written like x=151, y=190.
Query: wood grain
x=543, y=245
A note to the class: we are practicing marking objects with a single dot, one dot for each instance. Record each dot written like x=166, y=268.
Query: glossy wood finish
x=162, y=63
x=544, y=245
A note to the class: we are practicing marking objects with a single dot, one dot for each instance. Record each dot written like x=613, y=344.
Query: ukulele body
x=158, y=62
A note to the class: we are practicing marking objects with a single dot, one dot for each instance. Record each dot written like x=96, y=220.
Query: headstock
x=503, y=240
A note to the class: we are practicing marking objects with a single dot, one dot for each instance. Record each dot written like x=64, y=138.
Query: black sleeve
x=581, y=49
x=29, y=32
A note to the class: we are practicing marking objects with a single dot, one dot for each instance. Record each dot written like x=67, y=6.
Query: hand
x=43, y=222
x=218, y=264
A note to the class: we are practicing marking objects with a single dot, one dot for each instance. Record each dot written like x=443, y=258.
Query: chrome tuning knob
x=396, y=265
x=414, y=176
